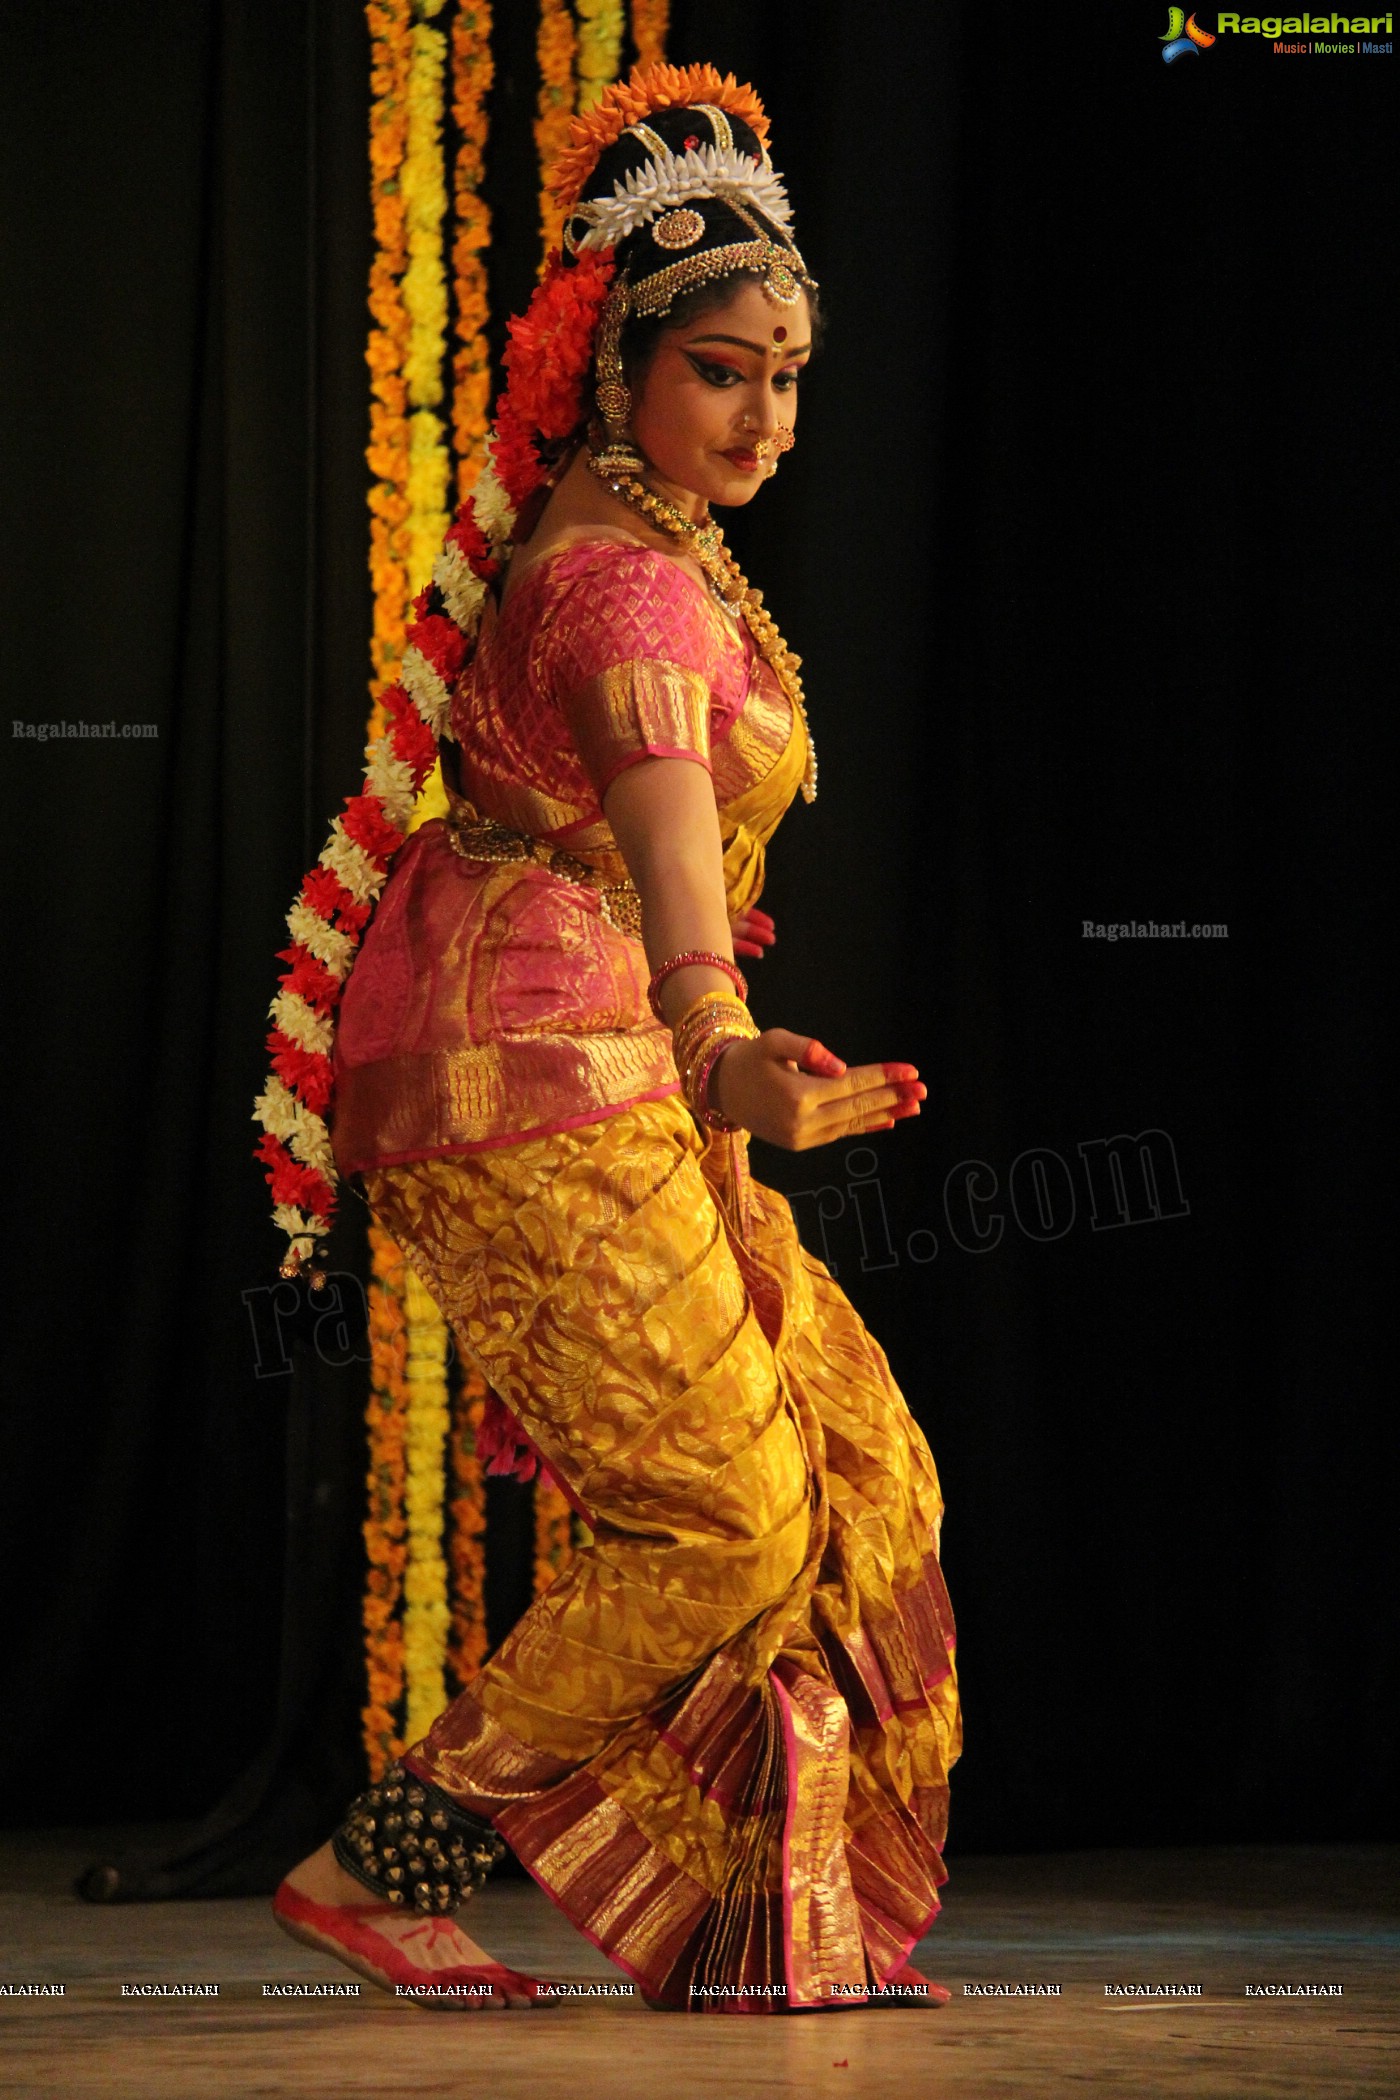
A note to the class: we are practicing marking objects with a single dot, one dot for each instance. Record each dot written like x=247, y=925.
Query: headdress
x=666, y=184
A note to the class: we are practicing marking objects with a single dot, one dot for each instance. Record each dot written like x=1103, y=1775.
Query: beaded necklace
x=728, y=583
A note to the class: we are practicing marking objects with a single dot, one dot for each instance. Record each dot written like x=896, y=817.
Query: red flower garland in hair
x=551, y=344
x=547, y=364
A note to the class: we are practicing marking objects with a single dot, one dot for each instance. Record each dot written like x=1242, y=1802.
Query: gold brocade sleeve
x=647, y=708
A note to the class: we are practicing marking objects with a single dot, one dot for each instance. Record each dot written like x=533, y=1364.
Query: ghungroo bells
x=408, y=1841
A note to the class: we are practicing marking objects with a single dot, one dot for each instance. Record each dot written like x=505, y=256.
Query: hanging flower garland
x=555, y=47
x=467, y=1641
x=387, y=349
x=385, y=1525
x=651, y=19
x=472, y=75
x=424, y=188
x=425, y=299
x=425, y=1619
x=599, y=47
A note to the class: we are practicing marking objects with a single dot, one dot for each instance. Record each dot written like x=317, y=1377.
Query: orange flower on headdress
x=647, y=89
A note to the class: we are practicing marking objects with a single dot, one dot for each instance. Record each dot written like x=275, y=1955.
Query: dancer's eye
x=715, y=374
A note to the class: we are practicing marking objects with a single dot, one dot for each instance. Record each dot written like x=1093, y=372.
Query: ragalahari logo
x=1183, y=35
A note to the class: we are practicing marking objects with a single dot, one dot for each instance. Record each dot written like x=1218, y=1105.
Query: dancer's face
x=716, y=389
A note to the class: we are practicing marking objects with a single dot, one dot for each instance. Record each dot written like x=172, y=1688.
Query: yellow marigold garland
x=467, y=1641
x=426, y=1616
x=555, y=46
x=424, y=187
x=651, y=19
x=600, y=28
x=385, y=1526
x=472, y=74
x=408, y=516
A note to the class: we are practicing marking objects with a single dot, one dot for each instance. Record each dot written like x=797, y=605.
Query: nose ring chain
x=782, y=440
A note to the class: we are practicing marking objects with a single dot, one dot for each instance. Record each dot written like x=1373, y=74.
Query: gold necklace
x=729, y=584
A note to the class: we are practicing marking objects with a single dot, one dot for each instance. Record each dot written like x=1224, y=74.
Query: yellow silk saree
x=721, y=1741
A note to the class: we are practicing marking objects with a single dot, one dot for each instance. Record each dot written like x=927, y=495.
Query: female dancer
x=721, y=1740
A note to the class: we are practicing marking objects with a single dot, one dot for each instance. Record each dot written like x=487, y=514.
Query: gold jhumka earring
x=612, y=395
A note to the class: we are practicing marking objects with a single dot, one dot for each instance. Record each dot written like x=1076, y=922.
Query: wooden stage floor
x=1221, y=1919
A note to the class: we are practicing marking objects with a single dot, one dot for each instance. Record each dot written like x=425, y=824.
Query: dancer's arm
x=783, y=1087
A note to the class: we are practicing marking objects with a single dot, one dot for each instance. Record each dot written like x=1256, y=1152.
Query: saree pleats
x=721, y=1740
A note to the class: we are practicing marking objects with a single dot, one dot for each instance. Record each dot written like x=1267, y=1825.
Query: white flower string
x=679, y=178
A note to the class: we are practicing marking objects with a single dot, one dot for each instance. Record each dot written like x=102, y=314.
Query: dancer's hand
x=752, y=931
x=793, y=1091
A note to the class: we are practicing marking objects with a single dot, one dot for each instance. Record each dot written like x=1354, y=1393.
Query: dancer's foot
x=431, y=1957
x=907, y=1987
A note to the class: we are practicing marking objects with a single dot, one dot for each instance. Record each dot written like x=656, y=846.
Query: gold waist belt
x=481, y=838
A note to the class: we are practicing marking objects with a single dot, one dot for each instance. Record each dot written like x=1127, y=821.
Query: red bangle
x=701, y=1085
x=682, y=962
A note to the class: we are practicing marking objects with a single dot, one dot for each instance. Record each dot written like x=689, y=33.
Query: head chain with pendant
x=656, y=197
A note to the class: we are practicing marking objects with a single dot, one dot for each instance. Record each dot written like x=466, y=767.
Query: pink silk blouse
x=494, y=1001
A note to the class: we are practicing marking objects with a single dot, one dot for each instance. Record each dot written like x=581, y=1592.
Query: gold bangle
x=727, y=998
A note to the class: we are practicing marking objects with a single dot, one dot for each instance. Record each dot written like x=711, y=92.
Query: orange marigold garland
x=385, y=1528
x=424, y=185
x=650, y=21
x=555, y=49
x=387, y=349
x=467, y=1637
x=472, y=74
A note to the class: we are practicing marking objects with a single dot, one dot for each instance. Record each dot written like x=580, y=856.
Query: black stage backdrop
x=1082, y=546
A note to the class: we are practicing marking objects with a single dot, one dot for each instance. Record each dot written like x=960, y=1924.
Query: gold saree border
x=422, y=1107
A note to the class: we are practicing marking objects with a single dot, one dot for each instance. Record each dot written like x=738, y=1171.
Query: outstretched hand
x=752, y=931
x=793, y=1091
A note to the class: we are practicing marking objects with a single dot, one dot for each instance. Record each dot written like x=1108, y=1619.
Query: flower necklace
x=728, y=583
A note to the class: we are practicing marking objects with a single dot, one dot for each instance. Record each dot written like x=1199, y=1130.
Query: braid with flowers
x=547, y=363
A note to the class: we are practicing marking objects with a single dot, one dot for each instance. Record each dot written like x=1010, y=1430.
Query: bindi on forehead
x=777, y=348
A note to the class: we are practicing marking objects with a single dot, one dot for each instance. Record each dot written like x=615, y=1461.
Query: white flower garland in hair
x=679, y=178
